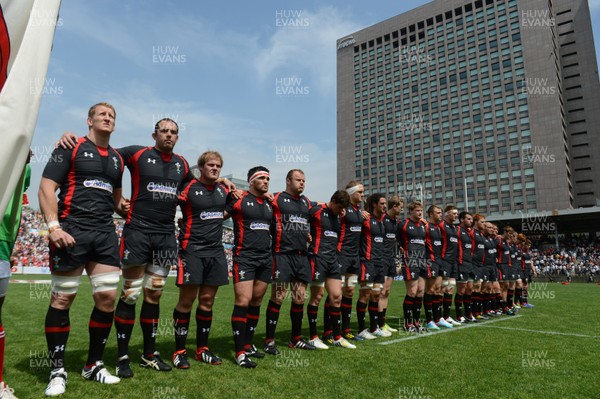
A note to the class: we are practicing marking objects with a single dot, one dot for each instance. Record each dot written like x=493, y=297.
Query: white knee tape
x=132, y=289
x=155, y=283
x=104, y=282
x=451, y=284
x=352, y=281
x=65, y=284
x=445, y=283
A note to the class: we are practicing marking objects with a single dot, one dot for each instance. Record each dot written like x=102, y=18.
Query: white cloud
x=309, y=51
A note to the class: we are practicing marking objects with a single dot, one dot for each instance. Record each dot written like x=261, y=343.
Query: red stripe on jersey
x=180, y=270
x=278, y=222
x=363, y=271
x=57, y=329
x=135, y=179
x=369, y=237
x=318, y=229
x=95, y=324
x=235, y=272
x=342, y=233
x=188, y=213
x=405, y=236
x=71, y=181
x=312, y=267
x=124, y=321
x=428, y=243
x=238, y=218
x=460, y=247
x=442, y=227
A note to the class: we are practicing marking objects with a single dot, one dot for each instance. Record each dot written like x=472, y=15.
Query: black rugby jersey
x=371, y=240
x=411, y=237
x=88, y=175
x=202, y=207
x=290, y=226
x=526, y=262
x=465, y=245
x=390, y=244
x=156, y=182
x=449, y=242
x=491, y=252
x=252, y=218
x=433, y=242
x=324, y=229
x=350, y=228
x=503, y=252
x=479, y=252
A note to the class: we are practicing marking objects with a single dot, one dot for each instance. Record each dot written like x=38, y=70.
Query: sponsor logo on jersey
x=437, y=243
x=355, y=228
x=211, y=215
x=161, y=188
x=99, y=184
x=378, y=239
x=453, y=239
x=259, y=226
x=297, y=219
x=417, y=241
x=329, y=233
x=468, y=246
x=390, y=235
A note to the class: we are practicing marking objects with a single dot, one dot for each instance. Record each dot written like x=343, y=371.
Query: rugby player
x=252, y=216
x=291, y=270
x=326, y=274
x=82, y=236
x=202, y=266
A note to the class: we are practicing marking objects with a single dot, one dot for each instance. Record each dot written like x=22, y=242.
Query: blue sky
x=255, y=80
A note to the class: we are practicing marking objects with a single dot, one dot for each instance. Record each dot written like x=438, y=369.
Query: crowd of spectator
x=575, y=256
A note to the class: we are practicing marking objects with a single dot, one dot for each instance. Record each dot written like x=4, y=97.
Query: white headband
x=258, y=174
x=353, y=189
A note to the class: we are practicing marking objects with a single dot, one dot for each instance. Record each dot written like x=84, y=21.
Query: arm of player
x=49, y=208
x=68, y=141
x=122, y=204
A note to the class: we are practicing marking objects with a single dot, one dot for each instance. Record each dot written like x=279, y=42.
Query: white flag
x=26, y=34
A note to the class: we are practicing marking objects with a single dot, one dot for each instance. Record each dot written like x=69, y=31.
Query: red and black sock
x=437, y=307
x=509, y=298
x=458, y=305
x=238, y=326
x=203, y=324
x=99, y=329
x=519, y=296
x=327, y=322
x=312, y=312
x=417, y=310
x=57, y=327
x=408, y=307
x=149, y=319
x=124, y=322
x=334, y=315
x=373, y=315
x=467, y=305
x=346, y=310
x=447, y=304
x=382, y=319
x=296, y=314
x=361, y=311
x=272, y=319
x=251, y=323
x=428, y=304
x=181, y=325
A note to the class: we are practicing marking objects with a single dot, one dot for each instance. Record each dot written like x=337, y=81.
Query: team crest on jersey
x=116, y=162
x=125, y=254
x=220, y=191
x=178, y=167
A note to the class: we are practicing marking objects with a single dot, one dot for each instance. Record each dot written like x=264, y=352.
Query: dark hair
x=156, y=125
x=432, y=208
x=373, y=200
x=340, y=197
x=256, y=169
x=291, y=172
x=449, y=208
x=463, y=215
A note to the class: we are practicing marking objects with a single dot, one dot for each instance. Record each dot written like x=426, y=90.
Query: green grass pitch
x=551, y=351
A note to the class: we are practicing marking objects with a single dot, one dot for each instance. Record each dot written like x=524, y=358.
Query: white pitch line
x=429, y=334
x=546, y=332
